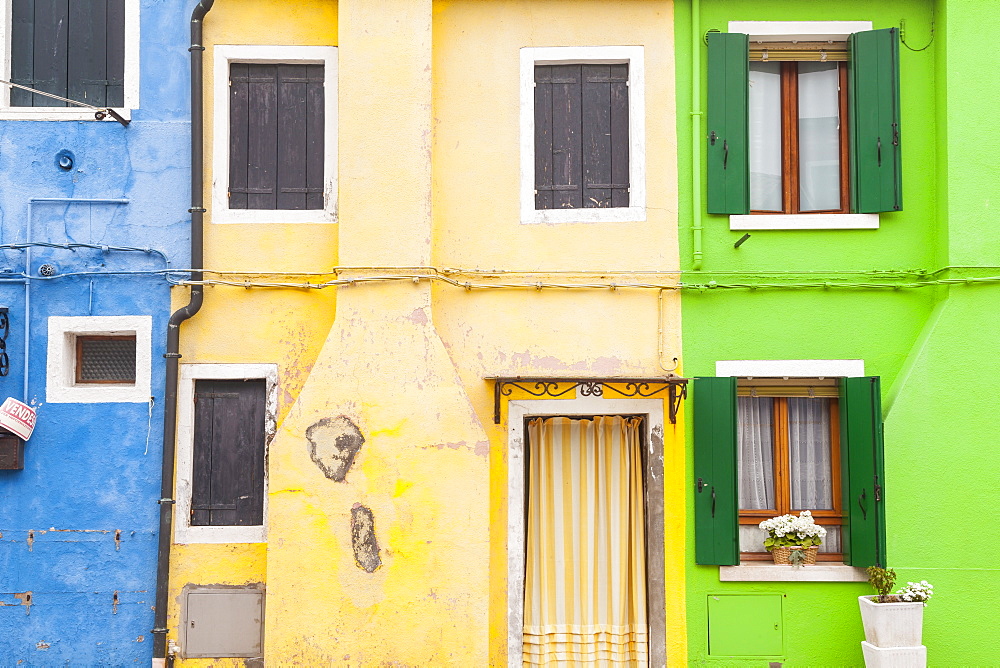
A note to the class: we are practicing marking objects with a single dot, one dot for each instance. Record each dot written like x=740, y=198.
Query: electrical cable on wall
x=100, y=113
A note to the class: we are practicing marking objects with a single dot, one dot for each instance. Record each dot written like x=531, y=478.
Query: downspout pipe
x=696, y=136
x=172, y=355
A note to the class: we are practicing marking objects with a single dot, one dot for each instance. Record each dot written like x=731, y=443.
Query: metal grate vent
x=105, y=359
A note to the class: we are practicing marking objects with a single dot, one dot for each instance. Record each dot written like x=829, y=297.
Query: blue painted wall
x=92, y=471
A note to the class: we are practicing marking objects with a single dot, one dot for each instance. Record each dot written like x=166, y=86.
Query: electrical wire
x=73, y=246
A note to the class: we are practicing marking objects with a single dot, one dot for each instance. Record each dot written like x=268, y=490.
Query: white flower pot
x=892, y=625
x=894, y=657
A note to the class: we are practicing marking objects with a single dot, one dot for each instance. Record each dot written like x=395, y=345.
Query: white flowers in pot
x=793, y=540
x=893, y=622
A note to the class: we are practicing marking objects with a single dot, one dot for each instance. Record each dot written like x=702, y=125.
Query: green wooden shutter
x=876, y=168
x=715, y=505
x=862, y=472
x=728, y=124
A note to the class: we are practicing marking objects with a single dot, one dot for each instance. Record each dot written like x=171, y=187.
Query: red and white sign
x=17, y=418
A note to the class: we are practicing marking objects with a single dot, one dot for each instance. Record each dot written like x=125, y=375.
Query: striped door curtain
x=585, y=570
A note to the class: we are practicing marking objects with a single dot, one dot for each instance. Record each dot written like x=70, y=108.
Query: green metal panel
x=876, y=167
x=728, y=123
x=745, y=625
x=862, y=472
x=716, y=512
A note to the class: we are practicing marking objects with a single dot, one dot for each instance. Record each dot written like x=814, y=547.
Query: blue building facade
x=93, y=218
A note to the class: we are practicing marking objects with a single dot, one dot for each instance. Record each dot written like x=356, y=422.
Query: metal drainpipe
x=696, y=136
x=172, y=355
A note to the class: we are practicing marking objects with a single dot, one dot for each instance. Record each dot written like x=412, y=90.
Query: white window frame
x=223, y=55
x=759, y=571
x=517, y=411
x=60, y=365
x=184, y=532
x=569, y=55
x=73, y=113
x=806, y=31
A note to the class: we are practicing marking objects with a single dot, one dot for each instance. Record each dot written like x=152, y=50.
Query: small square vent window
x=105, y=359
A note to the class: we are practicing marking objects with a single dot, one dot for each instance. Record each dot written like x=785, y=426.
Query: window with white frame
x=81, y=50
x=275, y=145
x=225, y=420
x=582, y=134
x=93, y=359
x=783, y=436
x=803, y=124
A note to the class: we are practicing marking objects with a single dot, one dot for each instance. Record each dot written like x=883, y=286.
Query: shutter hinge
x=165, y=501
x=878, y=490
x=172, y=355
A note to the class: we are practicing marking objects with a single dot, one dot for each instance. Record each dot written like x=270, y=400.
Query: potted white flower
x=894, y=622
x=793, y=540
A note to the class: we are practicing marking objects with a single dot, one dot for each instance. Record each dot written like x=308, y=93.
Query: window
x=99, y=359
x=278, y=154
x=105, y=359
x=788, y=456
x=227, y=483
x=225, y=419
x=810, y=126
x=275, y=136
x=83, y=50
x=798, y=144
x=582, y=134
x=804, y=445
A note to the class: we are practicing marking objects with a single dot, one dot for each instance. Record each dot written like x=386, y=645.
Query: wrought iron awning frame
x=552, y=387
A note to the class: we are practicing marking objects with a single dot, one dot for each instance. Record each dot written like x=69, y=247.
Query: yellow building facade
x=384, y=319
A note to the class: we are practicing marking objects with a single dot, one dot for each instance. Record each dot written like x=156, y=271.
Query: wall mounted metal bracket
x=675, y=386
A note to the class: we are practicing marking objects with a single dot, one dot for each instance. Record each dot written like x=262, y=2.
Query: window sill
x=805, y=221
x=57, y=114
x=630, y=214
x=186, y=535
x=767, y=572
x=272, y=216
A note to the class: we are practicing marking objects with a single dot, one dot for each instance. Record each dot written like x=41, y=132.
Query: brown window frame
x=78, y=378
x=790, y=143
x=782, y=481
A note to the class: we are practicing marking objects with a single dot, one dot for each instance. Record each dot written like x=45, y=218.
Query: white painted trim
x=222, y=55
x=60, y=364
x=791, y=368
x=72, y=113
x=517, y=411
x=806, y=31
x=765, y=572
x=561, y=55
x=189, y=373
x=805, y=221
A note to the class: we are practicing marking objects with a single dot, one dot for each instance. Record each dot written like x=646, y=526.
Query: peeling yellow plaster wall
x=236, y=325
x=476, y=216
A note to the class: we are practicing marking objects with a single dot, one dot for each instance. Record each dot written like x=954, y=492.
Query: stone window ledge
x=766, y=572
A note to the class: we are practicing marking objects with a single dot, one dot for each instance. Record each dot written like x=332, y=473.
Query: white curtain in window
x=585, y=570
x=809, y=453
x=765, y=137
x=755, y=441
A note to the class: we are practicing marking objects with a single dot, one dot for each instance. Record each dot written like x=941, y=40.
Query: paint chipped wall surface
x=386, y=536
x=78, y=524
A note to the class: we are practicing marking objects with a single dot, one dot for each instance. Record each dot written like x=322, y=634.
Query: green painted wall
x=935, y=347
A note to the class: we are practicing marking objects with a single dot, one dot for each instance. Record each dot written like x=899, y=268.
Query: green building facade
x=903, y=290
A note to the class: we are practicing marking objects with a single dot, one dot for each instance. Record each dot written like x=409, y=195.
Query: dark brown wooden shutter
x=228, y=474
x=581, y=136
x=276, y=136
x=72, y=49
